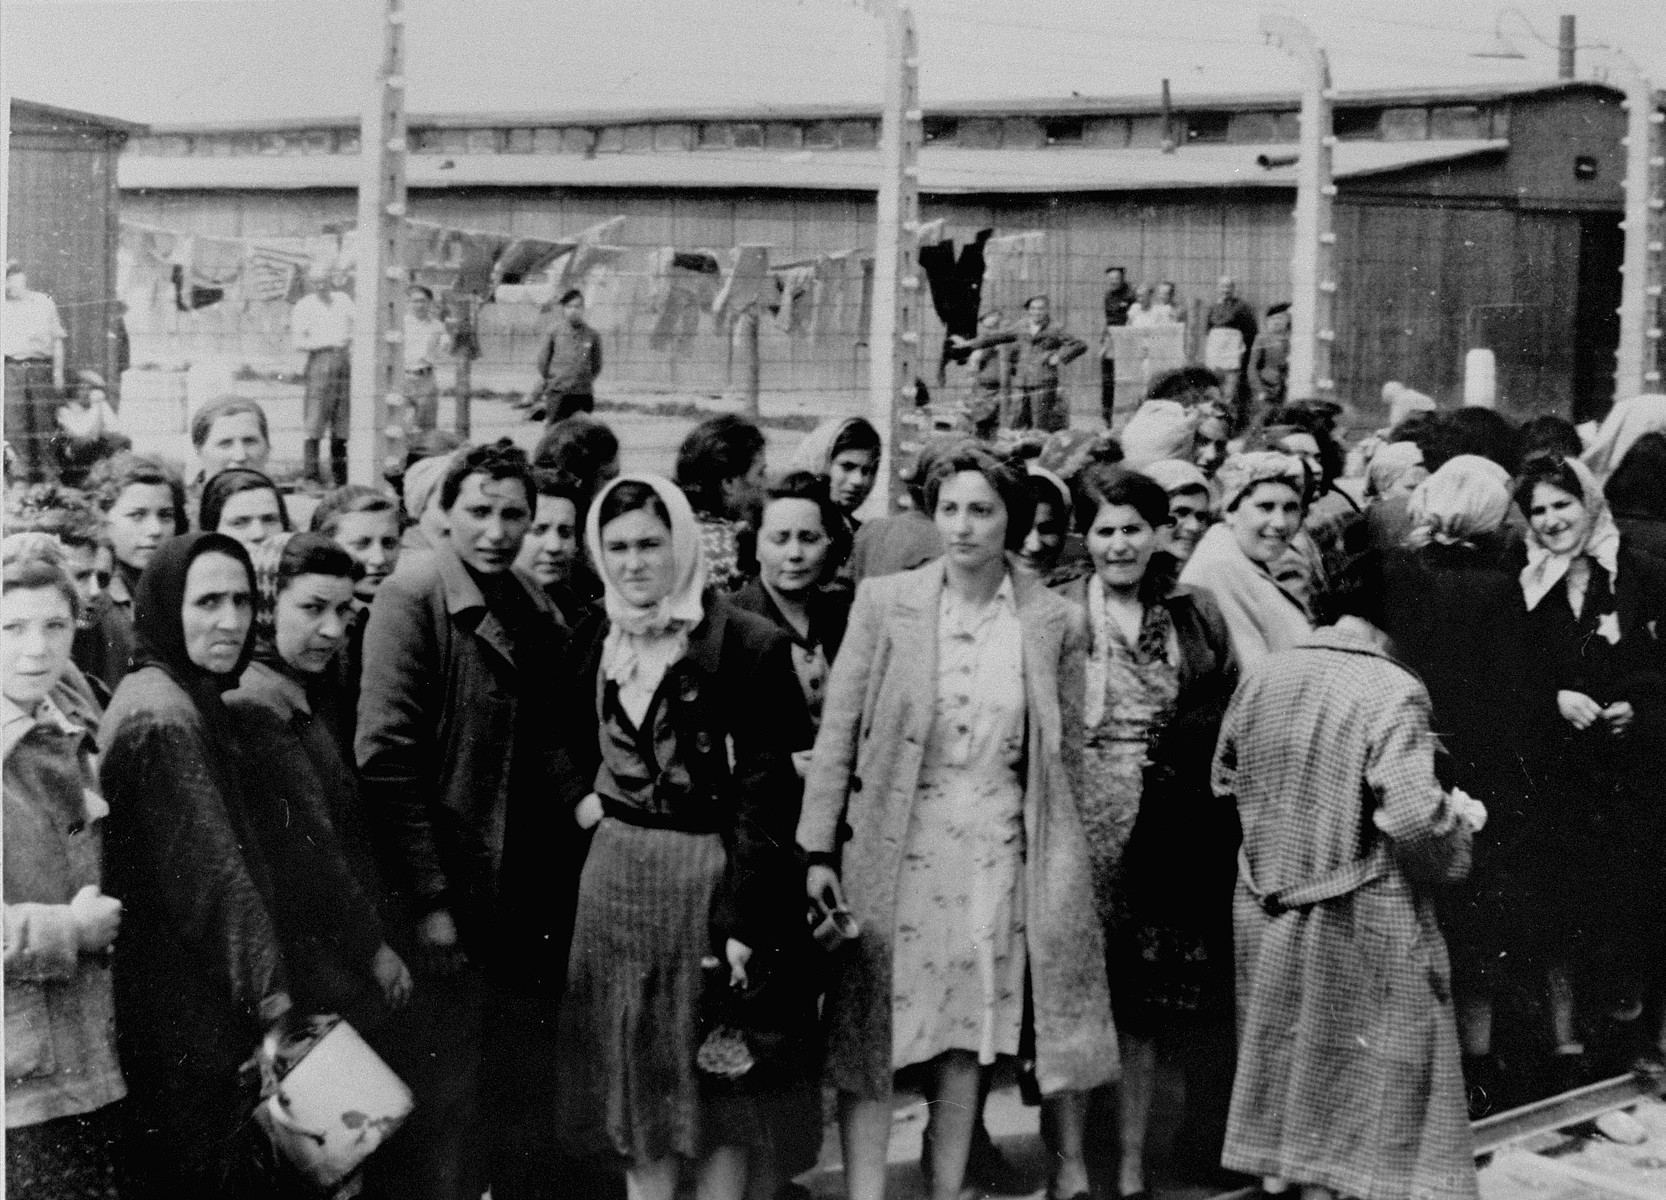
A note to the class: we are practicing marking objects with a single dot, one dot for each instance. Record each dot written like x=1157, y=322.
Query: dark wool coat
x=1349, y=1073
x=881, y=702
x=439, y=704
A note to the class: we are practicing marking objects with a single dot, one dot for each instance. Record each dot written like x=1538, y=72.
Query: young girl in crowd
x=62, y=1075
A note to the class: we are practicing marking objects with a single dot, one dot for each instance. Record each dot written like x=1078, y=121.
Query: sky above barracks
x=172, y=61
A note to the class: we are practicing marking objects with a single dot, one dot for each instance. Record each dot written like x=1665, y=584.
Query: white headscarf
x=643, y=642
x=1626, y=422
x=1158, y=429
x=1467, y=498
x=1601, y=545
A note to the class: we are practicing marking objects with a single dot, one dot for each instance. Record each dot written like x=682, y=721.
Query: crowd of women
x=624, y=814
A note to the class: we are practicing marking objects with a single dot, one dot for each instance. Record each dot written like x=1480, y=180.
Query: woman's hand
x=822, y=885
x=97, y=919
x=589, y=811
x=437, y=935
x=1578, y=709
x=392, y=976
x=738, y=954
x=1619, y=716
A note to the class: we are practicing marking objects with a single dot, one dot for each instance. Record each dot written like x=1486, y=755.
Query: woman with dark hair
x=1263, y=497
x=720, y=468
x=1548, y=433
x=682, y=768
x=221, y=875
x=845, y=452
x=582, y=447
x=1049, y=552
x=802, y=543
x=1191, y=505
x=1471, y=430
x=1454, y=611
x=244, y=504
x=1160, y=670
x=1636, y=491
x=290, y=697
x=948, y=746
x=1597, y=709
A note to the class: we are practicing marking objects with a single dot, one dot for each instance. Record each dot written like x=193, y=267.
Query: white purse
x=337, y=1102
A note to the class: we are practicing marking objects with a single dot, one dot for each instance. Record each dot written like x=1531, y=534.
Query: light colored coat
x=881, y=701
x=1348, y=1062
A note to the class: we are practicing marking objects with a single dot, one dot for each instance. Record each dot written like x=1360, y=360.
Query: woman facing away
x=61, y=1071
x=695, y=712
x=1596, y=690
x=226, y=878
x=1262, y=496
x=946, y=756
x=1160, y=671
x=1455, y=614
x=720, y=468
x=1348, y=1081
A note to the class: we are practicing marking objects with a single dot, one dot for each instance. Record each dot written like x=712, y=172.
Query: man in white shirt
x=426, y=340
x=32, y=337
x=321, y=325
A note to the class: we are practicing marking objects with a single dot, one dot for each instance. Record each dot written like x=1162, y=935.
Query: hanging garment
x=835, y=296
x=273, y=270
x=688, y=282
x=746, y=275
x=792, y=309
x=526, y=257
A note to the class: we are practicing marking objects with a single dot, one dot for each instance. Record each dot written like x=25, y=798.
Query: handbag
x=328, y=1101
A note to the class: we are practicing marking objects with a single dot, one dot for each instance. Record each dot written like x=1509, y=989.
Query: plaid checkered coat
x=1349, y=1073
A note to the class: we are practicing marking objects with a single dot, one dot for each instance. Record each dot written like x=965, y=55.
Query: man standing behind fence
x=1041, y=349
x=34, y=348
x=569, y=362
x=321, y=325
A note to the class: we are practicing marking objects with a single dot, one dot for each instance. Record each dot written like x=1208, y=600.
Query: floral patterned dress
x=1131, y=694
x=959, y=958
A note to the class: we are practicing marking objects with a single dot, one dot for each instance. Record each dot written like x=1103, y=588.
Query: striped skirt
x=629, y=1025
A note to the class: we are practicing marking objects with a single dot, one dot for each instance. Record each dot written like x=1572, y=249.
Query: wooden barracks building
x=1472, y=217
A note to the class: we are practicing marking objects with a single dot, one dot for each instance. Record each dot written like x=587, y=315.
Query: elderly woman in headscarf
x=1251, y=563
x=682, y=765
x=1626, y=422
x=223, y=878
x=1455, y=614
x=1191, y=504
x=1596, y=608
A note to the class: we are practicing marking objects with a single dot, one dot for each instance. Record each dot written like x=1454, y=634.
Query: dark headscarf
x=158, y=619
x=228, y=483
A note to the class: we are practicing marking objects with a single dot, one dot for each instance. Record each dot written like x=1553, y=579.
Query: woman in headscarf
x=845, y=452
x=1636, y=491
x=1625, y=423
x=220, y=877
x=1455, y=614
x=422, y=502
x=1160, y=671
x=1596, y=612
x=1158, y=429
x=244, y=504
x=683, y=767
x=1263, y=496
x=1191, y=504
x=940, y=803
x=1394, y=470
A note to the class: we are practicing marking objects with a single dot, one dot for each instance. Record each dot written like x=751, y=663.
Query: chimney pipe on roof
x=1565, y=46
